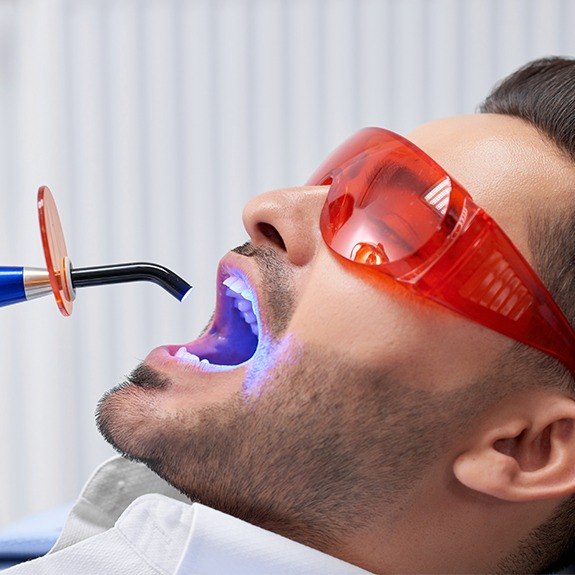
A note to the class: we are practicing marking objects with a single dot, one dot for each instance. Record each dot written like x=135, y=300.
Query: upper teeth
x=239, y=290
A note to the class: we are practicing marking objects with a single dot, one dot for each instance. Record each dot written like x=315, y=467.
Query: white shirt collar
x=179, y=537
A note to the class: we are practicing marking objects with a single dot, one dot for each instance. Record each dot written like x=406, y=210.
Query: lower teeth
x=184, y=354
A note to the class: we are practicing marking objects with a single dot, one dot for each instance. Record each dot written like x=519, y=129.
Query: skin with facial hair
x=266, y=460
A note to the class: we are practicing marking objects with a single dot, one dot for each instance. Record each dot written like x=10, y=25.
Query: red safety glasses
x=391, y=207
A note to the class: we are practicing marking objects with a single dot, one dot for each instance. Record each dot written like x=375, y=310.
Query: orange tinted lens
x=385, y=205
x=389, y=203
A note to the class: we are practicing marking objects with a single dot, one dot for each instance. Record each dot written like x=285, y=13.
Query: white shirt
x=129, y=521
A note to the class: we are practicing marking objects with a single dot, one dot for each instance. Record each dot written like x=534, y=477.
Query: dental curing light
x=61, y=278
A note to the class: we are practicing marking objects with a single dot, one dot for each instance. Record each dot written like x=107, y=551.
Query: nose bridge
x=288, y=217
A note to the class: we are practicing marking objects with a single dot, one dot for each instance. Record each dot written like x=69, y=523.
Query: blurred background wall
x=153, y=121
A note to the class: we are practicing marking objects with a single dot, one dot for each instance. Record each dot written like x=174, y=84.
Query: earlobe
x=530, y=456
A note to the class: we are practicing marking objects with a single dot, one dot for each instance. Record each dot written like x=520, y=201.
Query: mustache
x=248, y=250
x=277, y=290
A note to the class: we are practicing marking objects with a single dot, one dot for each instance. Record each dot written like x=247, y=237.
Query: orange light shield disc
x=55, y=250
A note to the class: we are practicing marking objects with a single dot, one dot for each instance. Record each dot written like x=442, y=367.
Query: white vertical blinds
x=153, y=121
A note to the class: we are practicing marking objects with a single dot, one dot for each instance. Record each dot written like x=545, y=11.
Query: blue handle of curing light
x=11, y=285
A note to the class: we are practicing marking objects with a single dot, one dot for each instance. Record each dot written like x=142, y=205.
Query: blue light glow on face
x=263, y=366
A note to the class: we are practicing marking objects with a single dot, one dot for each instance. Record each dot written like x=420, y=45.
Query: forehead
x=508, y=167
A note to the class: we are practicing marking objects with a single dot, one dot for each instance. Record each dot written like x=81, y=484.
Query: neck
x=442, y=527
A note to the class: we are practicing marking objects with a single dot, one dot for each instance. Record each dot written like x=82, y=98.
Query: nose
x=288, y=219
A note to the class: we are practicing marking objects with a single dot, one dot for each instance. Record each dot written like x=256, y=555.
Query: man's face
x=356, y=386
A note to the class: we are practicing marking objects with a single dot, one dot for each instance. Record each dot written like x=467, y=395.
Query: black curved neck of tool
x=132, y=272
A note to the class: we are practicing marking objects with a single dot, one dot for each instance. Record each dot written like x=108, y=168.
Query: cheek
x=380, y=325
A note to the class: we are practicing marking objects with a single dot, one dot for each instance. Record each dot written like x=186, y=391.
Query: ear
x=525, y=452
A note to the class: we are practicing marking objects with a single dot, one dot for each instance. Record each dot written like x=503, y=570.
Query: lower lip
x=163, y=360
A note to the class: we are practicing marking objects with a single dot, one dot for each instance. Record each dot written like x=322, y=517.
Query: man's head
x=370, y=422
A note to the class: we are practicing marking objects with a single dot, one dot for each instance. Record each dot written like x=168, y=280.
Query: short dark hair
x=542, y=93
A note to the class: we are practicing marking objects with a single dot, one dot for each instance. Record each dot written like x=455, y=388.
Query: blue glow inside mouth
x=233, y=337
x=234, y=341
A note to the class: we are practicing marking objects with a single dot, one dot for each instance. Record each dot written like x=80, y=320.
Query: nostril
x=272, y=234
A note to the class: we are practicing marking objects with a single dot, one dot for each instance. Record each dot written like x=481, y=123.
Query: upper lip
x=235, y=264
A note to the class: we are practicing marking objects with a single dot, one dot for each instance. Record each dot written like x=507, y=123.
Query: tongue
x=230, y=344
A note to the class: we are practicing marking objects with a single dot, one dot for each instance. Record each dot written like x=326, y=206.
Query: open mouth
x=234, y=335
